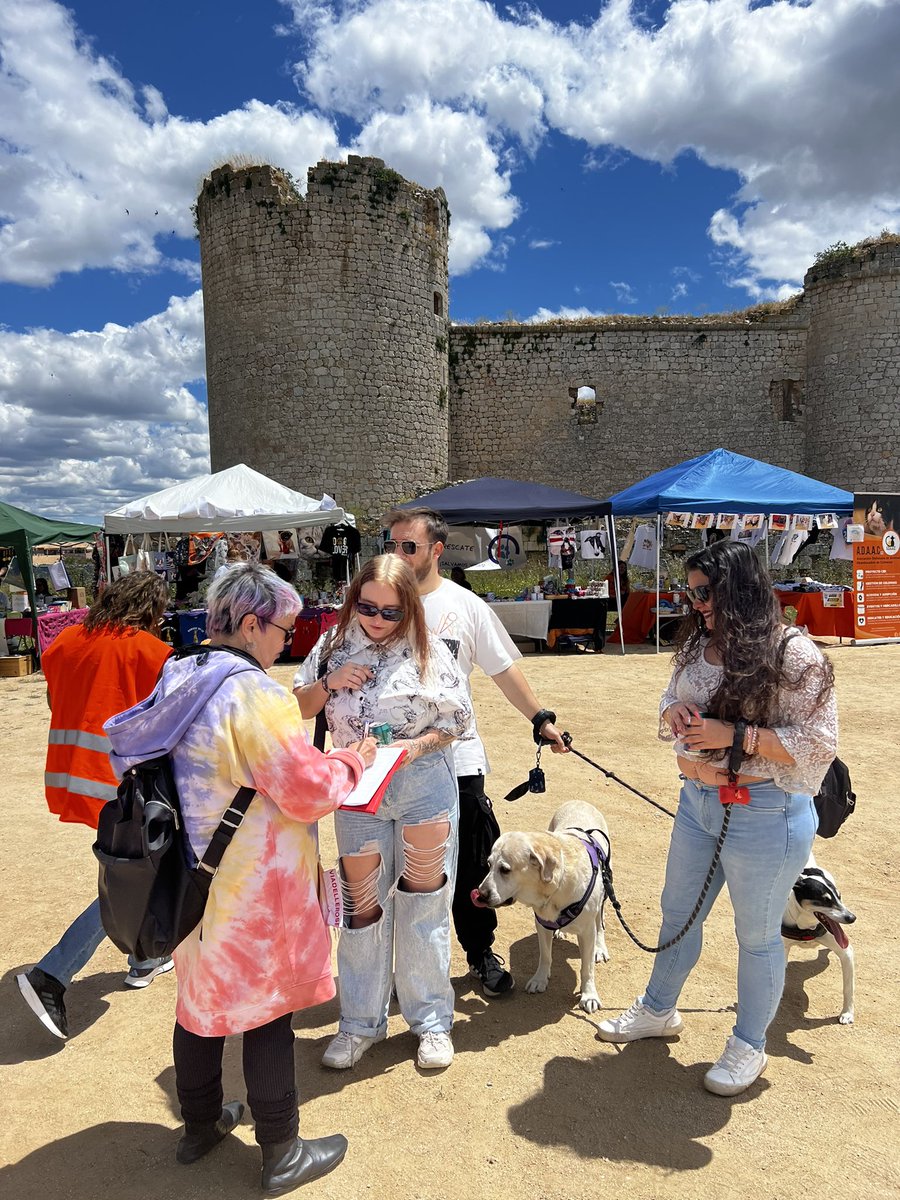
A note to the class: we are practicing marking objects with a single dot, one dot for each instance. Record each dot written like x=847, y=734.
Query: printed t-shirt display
x=475, y=638
x=643, y=553
x=343, y=543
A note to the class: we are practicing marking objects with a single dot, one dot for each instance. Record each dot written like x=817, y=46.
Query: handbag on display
x=59, y=576
x=128, y=560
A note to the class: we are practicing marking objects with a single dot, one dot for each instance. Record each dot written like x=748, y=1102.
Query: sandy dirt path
x=534, y=1105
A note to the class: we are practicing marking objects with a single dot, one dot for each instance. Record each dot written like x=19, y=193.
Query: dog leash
x=606, y=865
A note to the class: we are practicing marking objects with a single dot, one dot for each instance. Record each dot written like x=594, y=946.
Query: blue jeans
x=77, y=945
x=766, y=847
x=410, y=941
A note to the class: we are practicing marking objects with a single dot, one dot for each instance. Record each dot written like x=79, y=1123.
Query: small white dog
x=555, y=874
x=816, y=915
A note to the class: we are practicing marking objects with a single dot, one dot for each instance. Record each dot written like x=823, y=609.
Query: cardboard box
x=77, y=597
x=13, y=666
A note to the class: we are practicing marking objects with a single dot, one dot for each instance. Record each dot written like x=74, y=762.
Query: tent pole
x=611, y=530
x=659, y=527
x=766, y=519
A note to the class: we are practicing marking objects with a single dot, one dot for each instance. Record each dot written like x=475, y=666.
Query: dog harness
x=598, y=856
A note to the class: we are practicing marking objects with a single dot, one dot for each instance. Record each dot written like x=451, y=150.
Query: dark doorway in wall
x=438, y=304
x=787, y=399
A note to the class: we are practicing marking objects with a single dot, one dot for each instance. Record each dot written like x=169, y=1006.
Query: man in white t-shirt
x=477, y=638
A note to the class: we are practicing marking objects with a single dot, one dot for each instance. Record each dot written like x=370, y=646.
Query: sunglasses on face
x=288, y=633
x=698, y=595
x=391, y=613
x=407, y=546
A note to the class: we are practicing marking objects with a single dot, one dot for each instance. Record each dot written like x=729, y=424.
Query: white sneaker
x=640, y=1022
x=346, y=1049
x=739, y=1066
x=141, y=977
x=435, y=1050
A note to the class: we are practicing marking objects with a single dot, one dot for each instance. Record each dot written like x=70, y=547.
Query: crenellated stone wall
x=332, y=365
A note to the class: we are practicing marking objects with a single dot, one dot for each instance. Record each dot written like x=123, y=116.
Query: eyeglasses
x=698, y=595
x=288, y=633
x=407, y=546
x=391, y=613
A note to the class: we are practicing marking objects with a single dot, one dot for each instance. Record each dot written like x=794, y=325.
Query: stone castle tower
x=332, y=366
x=326, y=329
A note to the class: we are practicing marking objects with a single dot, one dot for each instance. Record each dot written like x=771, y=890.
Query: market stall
x=491, y=501
x=721, y=482
x=236, y=500
x=22, y=531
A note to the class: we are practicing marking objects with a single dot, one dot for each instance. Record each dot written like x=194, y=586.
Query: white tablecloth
x=524, y=618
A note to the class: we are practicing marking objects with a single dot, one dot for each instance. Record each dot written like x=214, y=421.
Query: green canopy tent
x=21, y=531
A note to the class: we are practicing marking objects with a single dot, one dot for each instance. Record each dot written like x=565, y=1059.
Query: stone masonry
x=331, y=364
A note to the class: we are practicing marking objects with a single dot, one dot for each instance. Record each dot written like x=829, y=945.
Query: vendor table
x=524, y=618
x=638, y=617
x=578, y=616
x=819, y=620
x=50, y=624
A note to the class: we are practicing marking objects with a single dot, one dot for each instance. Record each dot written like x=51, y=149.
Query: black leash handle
x=606, y=867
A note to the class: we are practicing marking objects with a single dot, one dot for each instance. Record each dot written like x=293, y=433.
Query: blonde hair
x=391, y=570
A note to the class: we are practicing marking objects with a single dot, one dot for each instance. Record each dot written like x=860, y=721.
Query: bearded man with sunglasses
x=476, y=638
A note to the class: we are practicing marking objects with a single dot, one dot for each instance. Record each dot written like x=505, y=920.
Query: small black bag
x=836, y=799
x=152, y=889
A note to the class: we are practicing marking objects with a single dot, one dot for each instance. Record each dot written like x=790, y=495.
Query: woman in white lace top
x=382, y=666
x=748, y=692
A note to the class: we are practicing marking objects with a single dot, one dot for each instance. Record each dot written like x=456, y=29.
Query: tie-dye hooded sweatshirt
x=262, y=949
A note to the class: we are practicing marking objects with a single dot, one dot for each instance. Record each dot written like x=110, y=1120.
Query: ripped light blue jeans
x=410, y=941
x=766, y=847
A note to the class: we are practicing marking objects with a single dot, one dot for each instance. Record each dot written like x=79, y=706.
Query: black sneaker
x=44, y=996
x=491, y=970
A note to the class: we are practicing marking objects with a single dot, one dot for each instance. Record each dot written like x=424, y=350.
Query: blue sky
x=639, y=158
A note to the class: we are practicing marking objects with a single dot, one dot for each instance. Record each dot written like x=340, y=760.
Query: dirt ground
x=533, y=1105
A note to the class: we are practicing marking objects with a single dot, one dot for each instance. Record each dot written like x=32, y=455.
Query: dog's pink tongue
x=475, y=897
x=836, y=930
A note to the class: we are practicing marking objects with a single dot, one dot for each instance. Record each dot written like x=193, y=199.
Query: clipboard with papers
x=369, y=792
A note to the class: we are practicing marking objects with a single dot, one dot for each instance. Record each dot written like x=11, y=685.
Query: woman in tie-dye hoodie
x=262, y=950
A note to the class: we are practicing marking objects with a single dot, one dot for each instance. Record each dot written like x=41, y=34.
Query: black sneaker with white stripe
x=44, y=996
x=491, y=970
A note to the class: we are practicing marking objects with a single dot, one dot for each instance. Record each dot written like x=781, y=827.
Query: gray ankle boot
x=287, y=1165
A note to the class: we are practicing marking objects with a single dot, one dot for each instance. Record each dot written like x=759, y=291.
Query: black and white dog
x=815, y=913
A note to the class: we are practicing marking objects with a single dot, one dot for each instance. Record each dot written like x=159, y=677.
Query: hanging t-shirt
x=746, y=532
x=342, y=542
x=841, y=548
x=475, y=638
x=643, y=553
x=567, y=554
x=593, y=543
x=793, y=543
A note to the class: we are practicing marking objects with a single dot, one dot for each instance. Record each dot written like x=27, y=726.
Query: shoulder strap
x=321, y=723
x=228, y=827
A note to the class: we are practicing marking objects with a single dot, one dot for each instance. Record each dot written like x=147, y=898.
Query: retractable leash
x=729, y=795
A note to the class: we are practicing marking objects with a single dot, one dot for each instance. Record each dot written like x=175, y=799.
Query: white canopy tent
x=236, y=500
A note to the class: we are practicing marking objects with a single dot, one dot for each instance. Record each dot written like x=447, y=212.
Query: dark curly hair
x=135, y=601
x=748, y=634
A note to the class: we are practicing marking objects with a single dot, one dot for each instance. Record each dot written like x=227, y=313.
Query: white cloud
x=94, y=172
x=625, y=293
x=92, y=418
x=541, y=244
x=561, y=314
x=750, y=88
x=680, y=290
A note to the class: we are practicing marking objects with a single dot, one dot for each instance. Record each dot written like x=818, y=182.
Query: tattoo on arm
x=428, y=742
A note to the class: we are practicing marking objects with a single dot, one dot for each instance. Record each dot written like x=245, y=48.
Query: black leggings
x=268, y=1054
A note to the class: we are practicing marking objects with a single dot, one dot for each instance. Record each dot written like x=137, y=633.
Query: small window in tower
x=585, y=404
x=786, y=396
x=438, y=304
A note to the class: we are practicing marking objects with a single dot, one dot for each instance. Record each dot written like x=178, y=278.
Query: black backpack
x=836, y=799
x=151, y=887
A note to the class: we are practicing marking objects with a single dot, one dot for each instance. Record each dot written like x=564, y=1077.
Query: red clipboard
x=369, y=792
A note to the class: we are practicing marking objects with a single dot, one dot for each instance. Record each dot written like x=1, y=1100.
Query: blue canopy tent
x=492, y=501
x=723, y=482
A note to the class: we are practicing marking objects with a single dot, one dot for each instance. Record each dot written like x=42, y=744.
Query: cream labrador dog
x=552, y=873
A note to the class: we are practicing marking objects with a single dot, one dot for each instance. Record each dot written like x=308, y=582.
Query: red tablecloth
x=638, y=617
x=310, y=625
x=50, y=624
x=811, y=612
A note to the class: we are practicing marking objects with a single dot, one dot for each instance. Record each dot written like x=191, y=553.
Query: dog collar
x=802, y=935
x=571, y=912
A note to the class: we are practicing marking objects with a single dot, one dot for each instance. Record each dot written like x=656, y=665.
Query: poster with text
x=876, y=564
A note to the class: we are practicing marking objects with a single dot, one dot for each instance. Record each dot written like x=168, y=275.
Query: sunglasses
x=288, y=633
x=698, y=595
x=408, y=547
x=391, y=613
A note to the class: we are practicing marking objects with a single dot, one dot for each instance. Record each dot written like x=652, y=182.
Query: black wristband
x=541, y=718
x=736, y=754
